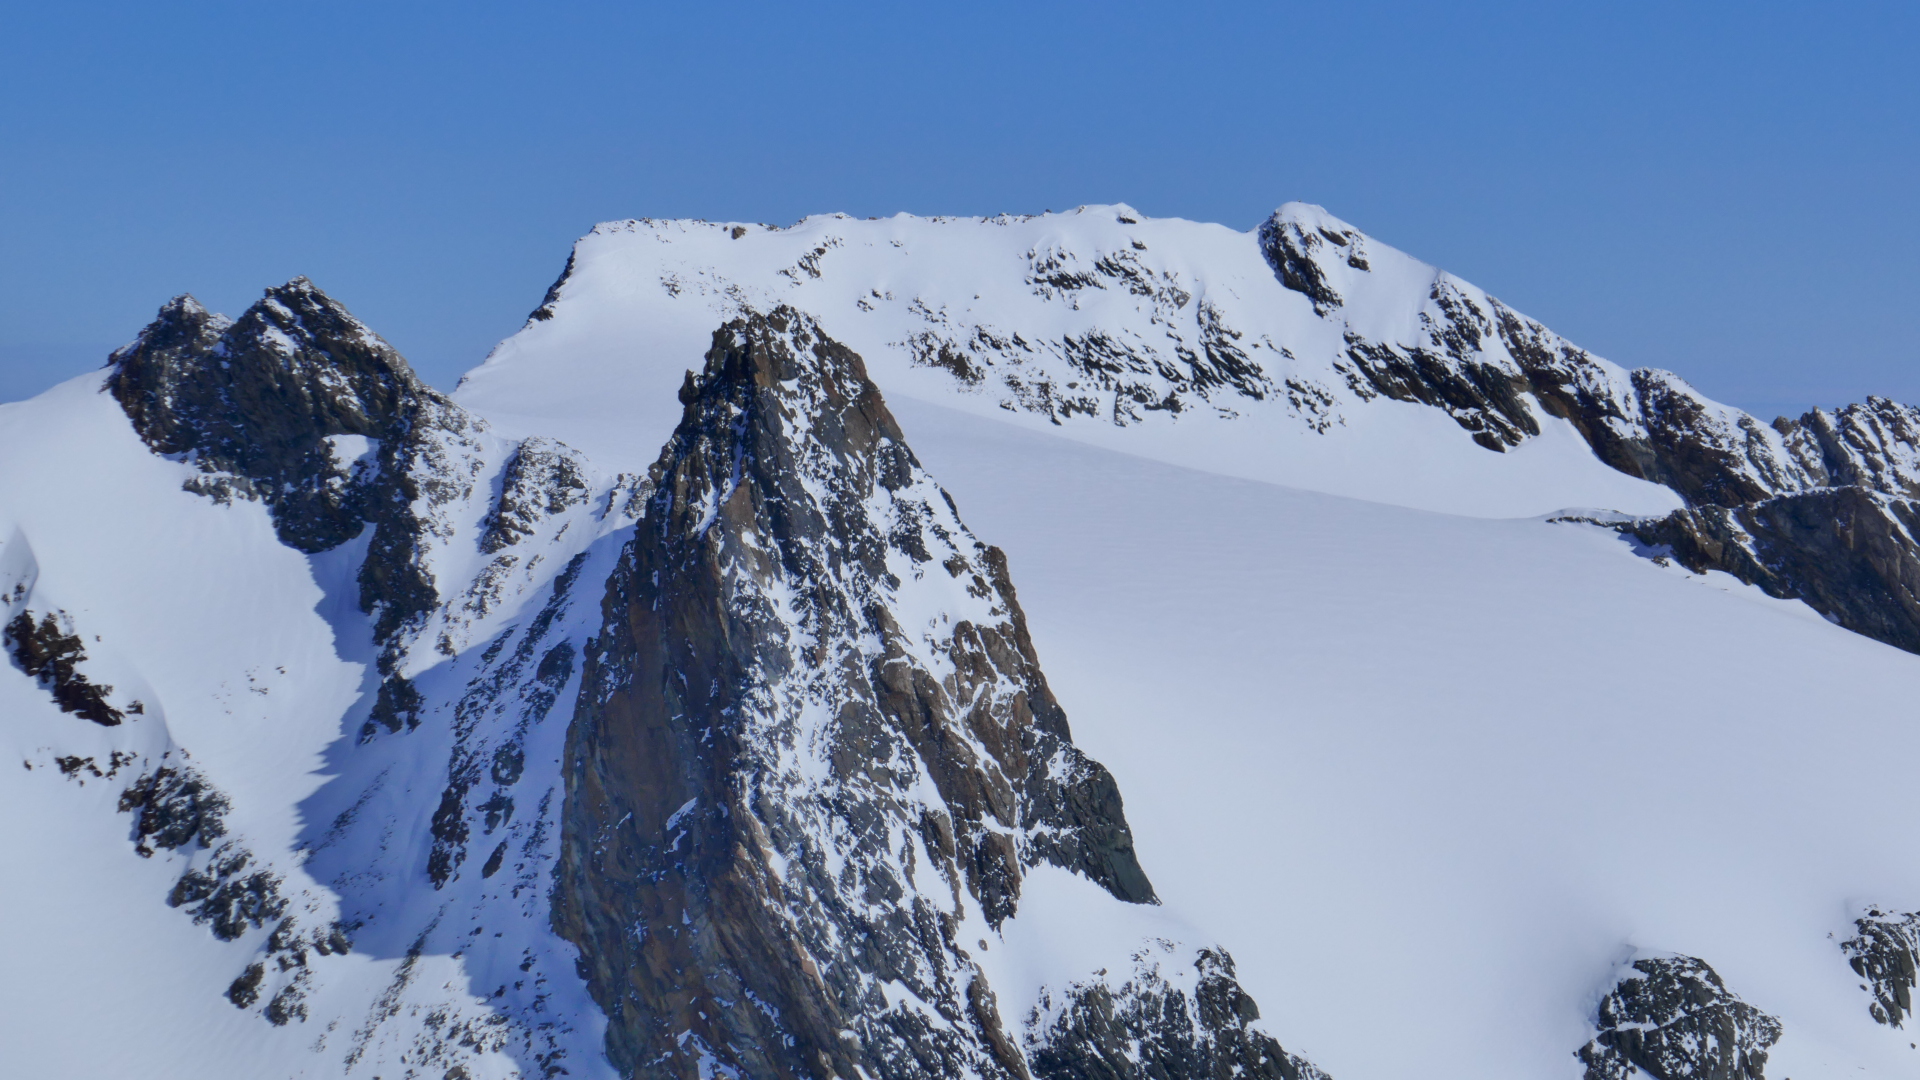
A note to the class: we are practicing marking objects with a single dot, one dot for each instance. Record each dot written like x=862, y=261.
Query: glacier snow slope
x=1432, y=767
x=89, y=940
x=1431, y=777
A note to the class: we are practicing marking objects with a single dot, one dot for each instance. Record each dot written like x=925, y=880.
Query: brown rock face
x=812, y=740
x=1847, y=552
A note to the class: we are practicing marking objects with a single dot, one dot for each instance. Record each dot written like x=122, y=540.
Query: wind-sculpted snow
x=815, y=757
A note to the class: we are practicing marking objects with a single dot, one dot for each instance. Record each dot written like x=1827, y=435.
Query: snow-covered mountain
x=660, y=703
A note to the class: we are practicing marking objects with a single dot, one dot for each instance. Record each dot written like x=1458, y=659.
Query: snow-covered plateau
x=1058, y=647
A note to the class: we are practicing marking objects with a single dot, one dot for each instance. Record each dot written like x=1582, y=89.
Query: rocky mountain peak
x=299, y=405
x=253, y=396
x=182, y=325
x=814, y=754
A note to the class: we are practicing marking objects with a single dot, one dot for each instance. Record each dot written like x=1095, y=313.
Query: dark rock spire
x=812, y=741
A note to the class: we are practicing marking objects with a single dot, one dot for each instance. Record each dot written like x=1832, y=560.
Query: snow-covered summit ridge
x=1302, y=352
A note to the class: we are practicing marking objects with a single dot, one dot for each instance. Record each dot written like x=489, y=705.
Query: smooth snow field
x=1430, y=778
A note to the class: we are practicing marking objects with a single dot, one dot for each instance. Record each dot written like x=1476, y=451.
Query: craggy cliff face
x=813, y=746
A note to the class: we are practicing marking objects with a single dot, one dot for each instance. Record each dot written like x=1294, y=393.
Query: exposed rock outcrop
x=48, y=650
x=1817, y=509
x=543, y=478
x=1836, y=526
x=1295, y=249
x=1490, y=368
x=300, y=408
x=812, y=746
x=1157, y=1022
x=174, y=806
x=299, y=405
x=1849, y=553
x=1498, y=374
x=1672, y=1018
x=1886, y=953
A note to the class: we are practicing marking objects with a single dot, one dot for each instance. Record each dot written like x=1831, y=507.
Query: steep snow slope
x=1433, y=777
x=277, y=857
x=1161, y=337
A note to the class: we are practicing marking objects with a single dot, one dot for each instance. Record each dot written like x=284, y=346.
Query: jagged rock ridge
x=1886, y=953
x=814, y=754
x=1819, y=509
x=299, y=405
x=1831, y=522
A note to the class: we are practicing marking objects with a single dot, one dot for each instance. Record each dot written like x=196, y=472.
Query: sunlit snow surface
x=1429, y=778
x=1427, y=764
x=643, y=298
x=253, y=665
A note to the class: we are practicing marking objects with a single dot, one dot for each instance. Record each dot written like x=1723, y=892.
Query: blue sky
x=1724, y=190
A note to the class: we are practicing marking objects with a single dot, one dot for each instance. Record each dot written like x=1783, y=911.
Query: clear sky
x=1725, y=190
